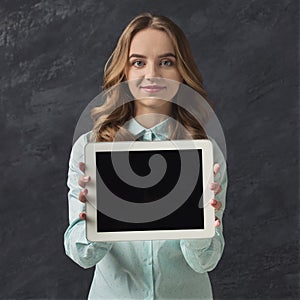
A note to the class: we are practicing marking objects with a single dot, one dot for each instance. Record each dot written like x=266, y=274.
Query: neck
x=149, y=120
x=149, y=117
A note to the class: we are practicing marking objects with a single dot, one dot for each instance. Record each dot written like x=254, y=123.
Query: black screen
x=188, y=216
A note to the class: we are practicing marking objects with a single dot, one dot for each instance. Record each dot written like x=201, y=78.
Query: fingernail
x=82, y=215
x=84, y=192
x=86, y=178
x=212, y=186
x=216, y=167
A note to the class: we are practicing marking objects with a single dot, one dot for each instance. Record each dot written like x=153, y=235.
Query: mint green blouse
x=162, y=269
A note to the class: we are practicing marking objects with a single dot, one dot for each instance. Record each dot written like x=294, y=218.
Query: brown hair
x=111, y=116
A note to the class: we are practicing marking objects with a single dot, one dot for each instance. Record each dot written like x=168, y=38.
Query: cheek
x=133, y=74
x=178, y=76
x=172, y=74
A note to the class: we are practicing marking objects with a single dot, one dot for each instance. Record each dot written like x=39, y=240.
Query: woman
x=151, y=52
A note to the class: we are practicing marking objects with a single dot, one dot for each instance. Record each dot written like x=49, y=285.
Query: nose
x=152, y=71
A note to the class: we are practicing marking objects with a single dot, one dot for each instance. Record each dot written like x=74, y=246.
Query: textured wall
x=52, y=56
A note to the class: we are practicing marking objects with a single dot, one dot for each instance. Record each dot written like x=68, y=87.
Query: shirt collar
x=160, y=129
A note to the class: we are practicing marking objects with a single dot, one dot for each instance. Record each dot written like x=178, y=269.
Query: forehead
x=152, y=42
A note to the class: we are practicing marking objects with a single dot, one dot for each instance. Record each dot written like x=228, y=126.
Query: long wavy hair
x=112, y=115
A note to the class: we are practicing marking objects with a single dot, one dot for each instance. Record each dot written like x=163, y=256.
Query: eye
x=166, y=62
x=138, y=63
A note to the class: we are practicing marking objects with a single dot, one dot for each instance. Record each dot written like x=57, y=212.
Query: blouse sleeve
x=203, y=255
x=85, y=253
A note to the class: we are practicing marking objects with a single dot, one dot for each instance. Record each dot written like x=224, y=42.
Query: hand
x=82, y=182
x=216, y=188
x=85, y=179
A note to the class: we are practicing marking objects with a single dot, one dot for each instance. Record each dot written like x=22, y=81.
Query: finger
x=82, y=195
x=216, y=204
x=216, y=169
x=83, y=180
x=217, y=222
x=215, y=187
x=82, y=215
x=82, y=167
x=219, y=189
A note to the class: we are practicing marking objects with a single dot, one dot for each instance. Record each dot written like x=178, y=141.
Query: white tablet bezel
x=91, y=212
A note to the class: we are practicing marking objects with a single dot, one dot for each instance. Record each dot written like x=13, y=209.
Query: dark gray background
x=52, y=55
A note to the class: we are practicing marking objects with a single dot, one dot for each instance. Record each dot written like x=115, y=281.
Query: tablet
x=145, y=190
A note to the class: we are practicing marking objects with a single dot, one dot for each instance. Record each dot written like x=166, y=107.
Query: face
x=152, y=71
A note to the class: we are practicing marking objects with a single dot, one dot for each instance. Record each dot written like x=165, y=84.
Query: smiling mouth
x=152, y=88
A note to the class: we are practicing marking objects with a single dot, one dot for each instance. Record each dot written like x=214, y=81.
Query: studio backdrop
x=52, y=59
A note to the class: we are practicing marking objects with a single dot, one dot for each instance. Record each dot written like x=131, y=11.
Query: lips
x=152, y=88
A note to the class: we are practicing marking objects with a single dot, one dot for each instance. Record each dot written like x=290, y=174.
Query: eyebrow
x=160, y=56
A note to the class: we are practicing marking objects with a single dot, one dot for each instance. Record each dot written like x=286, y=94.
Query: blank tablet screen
x=189, y=215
